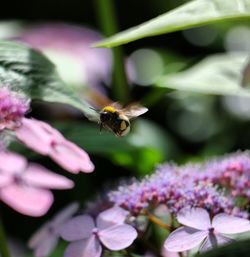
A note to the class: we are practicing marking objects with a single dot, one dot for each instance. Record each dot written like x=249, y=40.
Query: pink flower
x=24, y=187
x=86, y=235
x=200, y=229
x=44, y=139
x=69, y=47
x=46, y=238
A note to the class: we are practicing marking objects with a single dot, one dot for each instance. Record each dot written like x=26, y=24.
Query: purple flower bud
x=12, y=109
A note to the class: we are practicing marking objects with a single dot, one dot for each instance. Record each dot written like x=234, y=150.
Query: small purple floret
x=211, y=185
x=12, y=109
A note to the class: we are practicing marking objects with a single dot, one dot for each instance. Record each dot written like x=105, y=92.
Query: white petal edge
x=184, y=238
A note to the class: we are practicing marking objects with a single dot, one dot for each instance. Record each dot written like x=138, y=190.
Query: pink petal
x=195, y=218
x=213, y=241
x=118, y=237
x=41, y=234
x=227, y=224
x=39, y=176
x=71, y=157
x=79, y=227
x=5, y=179
x=27, y=200
x=12, y=162
x=110, y=217
x=184, y=238
x=46, y=246
x=33, y=135
x=66, y=213
x=84, y=248
x=54, y=133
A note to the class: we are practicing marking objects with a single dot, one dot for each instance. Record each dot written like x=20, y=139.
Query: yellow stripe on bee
x=109, y=109
x=123, y=125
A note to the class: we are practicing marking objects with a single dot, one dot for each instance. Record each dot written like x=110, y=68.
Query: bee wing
x=134, y=110
x=95, y=117
x=116, y=105
x=93, y=114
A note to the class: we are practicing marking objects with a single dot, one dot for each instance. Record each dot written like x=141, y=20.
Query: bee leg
x=101, y=127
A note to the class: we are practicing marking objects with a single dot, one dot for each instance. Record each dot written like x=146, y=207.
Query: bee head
x=107, y=113
x=105, y=116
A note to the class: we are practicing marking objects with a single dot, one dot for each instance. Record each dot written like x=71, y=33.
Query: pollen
x=123, y=125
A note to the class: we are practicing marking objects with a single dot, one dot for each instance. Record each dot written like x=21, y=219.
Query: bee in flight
x=117, y=119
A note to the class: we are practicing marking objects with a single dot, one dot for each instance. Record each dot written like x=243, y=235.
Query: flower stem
x=158, y=222
x=148, y=245
x=181, y=254
x=108, y=23
x=4, y=250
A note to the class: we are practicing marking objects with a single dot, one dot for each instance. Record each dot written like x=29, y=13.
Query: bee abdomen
x=124, y=127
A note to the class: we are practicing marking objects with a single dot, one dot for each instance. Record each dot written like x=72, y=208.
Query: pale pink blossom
x=46, y=238
x=87, y=236
x=24, y=187
x=44, y=139
x=69, y=47
x=198, y=228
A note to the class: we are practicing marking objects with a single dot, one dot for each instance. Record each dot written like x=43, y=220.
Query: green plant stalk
x=4, y=249
x=107, y=19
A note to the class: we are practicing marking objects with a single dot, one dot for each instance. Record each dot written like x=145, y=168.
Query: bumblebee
x=117, y=119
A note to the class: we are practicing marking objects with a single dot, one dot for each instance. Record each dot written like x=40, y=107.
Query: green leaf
x=240, y=248
x=193, y=14
x=217, y=74
x=29, y=72
x=145, y=146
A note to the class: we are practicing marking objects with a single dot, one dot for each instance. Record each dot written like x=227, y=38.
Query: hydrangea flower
x=46, y=238
x=231, y=172
x=87, y=236
x=24, y=187
x=44, y=139
x=176, y=190
x=40, y=136
x=198, y=228
x=69, y=47
x=12, y=109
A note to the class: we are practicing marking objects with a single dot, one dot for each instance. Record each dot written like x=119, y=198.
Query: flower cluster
x=192, y=193
x=176, y=187
x=231, y=172
x=190, y=185
x=25, y=186
x=12, y=109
